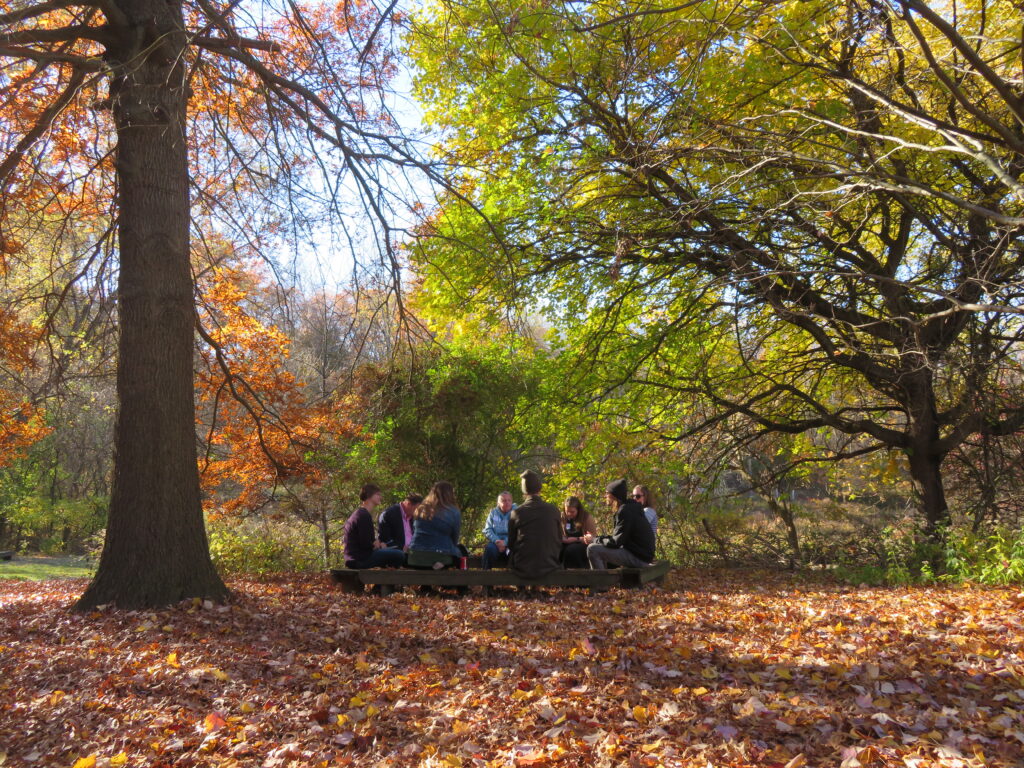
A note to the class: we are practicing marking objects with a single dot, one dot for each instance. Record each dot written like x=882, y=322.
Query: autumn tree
x=801, y=215
x=200, y=112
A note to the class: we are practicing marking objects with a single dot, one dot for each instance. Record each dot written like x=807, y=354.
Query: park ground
x=711, y=668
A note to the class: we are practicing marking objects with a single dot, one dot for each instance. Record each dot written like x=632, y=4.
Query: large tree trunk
x=925, y=460
x=156, y=551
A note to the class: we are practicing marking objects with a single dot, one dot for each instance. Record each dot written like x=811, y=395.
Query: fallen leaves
x=748, y=672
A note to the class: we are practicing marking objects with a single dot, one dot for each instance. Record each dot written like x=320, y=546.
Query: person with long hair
x=436, y=526
x=576, y=524
x=642, y=496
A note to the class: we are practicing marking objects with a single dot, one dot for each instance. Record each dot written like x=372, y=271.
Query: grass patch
x=31, y=568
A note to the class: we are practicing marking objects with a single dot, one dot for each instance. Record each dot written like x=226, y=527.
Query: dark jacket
x=358, y=536
x=390, y=528
x=535, y=538
x=633, y=532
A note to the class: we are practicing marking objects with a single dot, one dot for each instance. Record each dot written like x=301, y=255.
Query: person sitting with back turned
x=395, y=523
x=534, y=532
x=496, y=550
x=437, y=524
x=362, y=548
x=632, y=542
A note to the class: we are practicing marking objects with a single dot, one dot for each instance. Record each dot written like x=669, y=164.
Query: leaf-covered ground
x=711, y=669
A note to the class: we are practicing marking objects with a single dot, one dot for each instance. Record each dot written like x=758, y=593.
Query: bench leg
x=350, y=586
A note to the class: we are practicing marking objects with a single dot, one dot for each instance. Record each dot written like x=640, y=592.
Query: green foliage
x=36, y=516
x=260, y=546
x=461, y=413
x=996, y=558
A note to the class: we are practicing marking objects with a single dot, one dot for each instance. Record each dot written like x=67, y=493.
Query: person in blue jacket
x=437, y=524
x=496, y=549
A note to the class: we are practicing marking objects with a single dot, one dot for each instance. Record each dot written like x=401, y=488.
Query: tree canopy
x=781, y=216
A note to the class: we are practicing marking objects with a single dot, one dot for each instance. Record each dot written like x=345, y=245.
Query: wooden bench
x=390, y=578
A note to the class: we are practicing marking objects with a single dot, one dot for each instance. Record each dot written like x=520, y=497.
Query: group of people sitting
x=533, y=539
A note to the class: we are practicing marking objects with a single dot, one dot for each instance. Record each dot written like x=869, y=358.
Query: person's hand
x=500, y=544
x=378, y=544
x=588, y=538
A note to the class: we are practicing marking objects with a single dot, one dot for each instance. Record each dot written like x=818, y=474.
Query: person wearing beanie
x=631, y=545
x=534, y=532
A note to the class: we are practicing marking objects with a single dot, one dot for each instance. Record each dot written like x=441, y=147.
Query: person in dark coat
x=632, y=543
x=394, y=527
x=362, y=548
x=534, y=532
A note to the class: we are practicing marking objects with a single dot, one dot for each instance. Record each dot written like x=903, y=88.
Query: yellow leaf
x=356, y=701
x=519, y=695
x=700, y=691
x=371, y=711
x=709, y=673
x=246, y=707
x=640, y=713
x=86, y=762
x=222, y=676
x=119, y=759
x=172, y=659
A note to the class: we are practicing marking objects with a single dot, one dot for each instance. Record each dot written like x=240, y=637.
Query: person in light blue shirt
x=496, y=551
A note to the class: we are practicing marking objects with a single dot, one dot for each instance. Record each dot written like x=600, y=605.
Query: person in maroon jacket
x=362, y=548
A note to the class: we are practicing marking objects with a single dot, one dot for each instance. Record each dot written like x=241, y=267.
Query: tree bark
x=925, y=459
x=156, y=552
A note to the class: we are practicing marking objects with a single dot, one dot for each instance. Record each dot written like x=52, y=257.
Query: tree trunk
x=325, y=535
x=156, y=552
x=785, y=513
x=925, y=460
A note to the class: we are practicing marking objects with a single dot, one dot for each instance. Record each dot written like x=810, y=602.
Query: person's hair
x=441, y=495
x=582, y=516
x=414, y=498
x=367, y=491
x=648, y=499
x=497, y=499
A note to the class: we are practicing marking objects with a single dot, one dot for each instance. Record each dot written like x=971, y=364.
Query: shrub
x=259, y=546
x=996, y=558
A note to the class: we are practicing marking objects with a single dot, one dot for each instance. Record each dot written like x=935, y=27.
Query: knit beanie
x=619, y=489
x=531, y=482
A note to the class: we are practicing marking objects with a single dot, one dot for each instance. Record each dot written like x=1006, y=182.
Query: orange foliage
x=21, y=422
x=261, y=431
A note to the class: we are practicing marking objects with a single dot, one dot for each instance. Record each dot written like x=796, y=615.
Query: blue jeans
x=492, y=557
x=381, y=558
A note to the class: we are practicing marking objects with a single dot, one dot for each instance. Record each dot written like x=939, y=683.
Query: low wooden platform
x=389, y=578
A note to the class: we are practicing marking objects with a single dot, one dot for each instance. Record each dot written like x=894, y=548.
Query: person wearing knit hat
x=619, y=489
x=534, y=532
x=631, y=545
